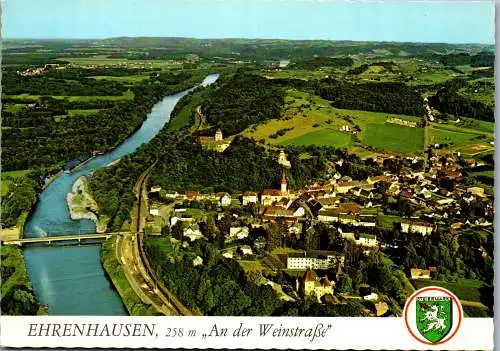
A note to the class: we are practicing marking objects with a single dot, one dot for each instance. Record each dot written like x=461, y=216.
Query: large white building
x=315, y=262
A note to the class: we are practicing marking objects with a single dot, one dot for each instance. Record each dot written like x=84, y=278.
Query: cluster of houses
x=401, y=122
x=40, y=71
x=353, y=207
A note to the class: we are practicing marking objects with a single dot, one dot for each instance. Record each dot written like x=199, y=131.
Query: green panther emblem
x=434, y=317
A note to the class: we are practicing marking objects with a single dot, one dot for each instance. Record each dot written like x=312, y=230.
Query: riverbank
x=114, y=272
x=82, y=206
x=18, y=297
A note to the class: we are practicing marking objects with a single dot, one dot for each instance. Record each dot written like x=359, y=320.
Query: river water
x=70, y=279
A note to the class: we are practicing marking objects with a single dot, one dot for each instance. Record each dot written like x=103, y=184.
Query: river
x=70, y=279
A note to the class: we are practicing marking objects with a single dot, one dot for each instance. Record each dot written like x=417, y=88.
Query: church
x=216, y=142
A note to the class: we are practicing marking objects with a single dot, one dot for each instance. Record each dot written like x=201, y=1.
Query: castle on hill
x=216, y=142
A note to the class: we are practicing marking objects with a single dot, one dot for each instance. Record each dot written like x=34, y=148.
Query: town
x=310, y=233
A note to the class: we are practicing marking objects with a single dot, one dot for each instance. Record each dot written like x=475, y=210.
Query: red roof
x=308, y=277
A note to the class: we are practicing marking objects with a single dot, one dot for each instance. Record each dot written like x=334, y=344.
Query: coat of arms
x=434, y=317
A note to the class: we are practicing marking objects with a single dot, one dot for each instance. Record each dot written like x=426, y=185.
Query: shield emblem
x=434, y=317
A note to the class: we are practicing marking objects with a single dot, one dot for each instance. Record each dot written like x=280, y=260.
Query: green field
x=392, y=137
x=464, y=139
x=322, y=137
x=124, y=79
x=308, y=119
x=128, y=95
x=6, y=182
x=76, y=113
x=465, y=289
x=103, y=60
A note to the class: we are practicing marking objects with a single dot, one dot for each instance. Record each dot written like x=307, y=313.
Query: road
x=135, y=265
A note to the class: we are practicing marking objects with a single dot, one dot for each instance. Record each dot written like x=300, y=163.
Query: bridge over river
x=74, y=238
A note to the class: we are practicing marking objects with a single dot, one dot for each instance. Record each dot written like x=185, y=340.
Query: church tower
x=284, y=185
x=218, y=135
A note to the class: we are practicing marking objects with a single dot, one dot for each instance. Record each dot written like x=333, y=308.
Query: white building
x=303, y=262
x=409, y=225
x=237, y=233
x=249, y=197
x=368, y=240
x=193, y=232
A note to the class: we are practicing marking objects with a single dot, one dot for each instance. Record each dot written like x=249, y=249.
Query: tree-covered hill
x=243, y=100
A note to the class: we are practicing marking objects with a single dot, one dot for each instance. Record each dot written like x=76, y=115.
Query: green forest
x=18, y=297
x=242, y=101
x=45, y=140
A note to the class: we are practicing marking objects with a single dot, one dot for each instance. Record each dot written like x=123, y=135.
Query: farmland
x=308, y=119
x=395, y=138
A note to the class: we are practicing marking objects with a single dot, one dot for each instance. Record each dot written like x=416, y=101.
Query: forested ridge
x=394, y=98
x=243, y=100
x=448, y=100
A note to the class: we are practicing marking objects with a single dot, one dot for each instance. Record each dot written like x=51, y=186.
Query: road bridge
x=75, y=238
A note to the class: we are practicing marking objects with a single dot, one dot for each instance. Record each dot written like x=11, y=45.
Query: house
x=417, y=273
x=328, y=215
x=227, y=254
x=246, y=250
x=237, y=233
x=171, y=194
x=381, y=308
x=475, y=190
x=216, y=142
x=193, y=232
x=316, y=287
x=192, y=194
x=224, y=199
x=368, y=240
x=315, y=260
x=349, y=208
x=410, y=225
x=198, y=261
x=249, y=197
x=175, y=219
x=155, y=189
x=343, y=187
x=371, y=297
x=154, y=211
x=329, y=202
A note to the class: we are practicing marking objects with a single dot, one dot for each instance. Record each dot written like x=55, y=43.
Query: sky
x=390, y=20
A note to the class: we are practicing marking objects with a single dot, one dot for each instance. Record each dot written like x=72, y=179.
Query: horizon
x=450, y=22
x=247, y=38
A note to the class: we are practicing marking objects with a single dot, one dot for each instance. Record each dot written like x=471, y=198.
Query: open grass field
x=322, y=137
x=391, y=137
x=478, y=125
x=123, y=79
x=14, y=107
x=103, y=60
x=465, y=289
x=128, y=95
x=7, y=182
x=76, y=113
x=467, y=140
x=308, y=119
